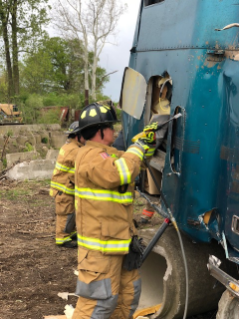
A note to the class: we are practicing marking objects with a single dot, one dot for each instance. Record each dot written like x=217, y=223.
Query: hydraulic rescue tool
x=154, y=119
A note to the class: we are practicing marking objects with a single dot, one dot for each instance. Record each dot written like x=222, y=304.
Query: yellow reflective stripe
x=65, y=168
x=104, y=195
x=150, y=152
x=104, y=245
x=60, y=241
x=62, y=152
x=76, y=205
x=125, y=176
x=136, y=151
x=63, y=188
x=73, y=233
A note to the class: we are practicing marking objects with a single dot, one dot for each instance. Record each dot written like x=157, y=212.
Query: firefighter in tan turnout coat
x=104, y=191
x=63, y=188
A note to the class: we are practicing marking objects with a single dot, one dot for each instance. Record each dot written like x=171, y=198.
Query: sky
x=116, y=57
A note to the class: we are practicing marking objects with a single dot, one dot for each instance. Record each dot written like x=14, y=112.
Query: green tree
x=21, y=23
x=5, y=7
x=57, y=66
x=3, y=85
x=36, y=73
x=67, y=63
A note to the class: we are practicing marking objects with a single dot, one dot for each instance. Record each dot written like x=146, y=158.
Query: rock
x=57, y=139
x=52, y=154
x=21, y=140
x=21, y=157
x=37, y=138
x=38, y=169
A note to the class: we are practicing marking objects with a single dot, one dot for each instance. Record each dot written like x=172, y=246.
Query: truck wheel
x=163, y=277
x=228, y=306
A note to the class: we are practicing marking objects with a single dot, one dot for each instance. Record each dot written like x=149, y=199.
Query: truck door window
x=159, y=92
x=150, y=2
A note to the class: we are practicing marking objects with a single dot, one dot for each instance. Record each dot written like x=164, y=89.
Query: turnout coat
x=104, y=195
x=63, y=178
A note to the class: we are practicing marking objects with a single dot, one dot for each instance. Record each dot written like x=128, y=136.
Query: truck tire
x=163, y=276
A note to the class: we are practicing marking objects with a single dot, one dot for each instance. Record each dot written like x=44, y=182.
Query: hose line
x=185, y=265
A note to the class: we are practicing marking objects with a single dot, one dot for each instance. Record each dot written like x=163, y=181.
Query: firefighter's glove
x=133, y=260
x=151, y=127
x=146, y=144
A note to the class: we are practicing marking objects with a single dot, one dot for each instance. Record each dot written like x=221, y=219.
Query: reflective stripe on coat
x=104, y=215
x=63, y=178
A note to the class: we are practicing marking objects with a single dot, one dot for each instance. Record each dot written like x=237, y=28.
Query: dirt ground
x=33, y=270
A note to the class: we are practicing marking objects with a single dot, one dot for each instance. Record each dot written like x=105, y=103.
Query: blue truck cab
x=194, y=46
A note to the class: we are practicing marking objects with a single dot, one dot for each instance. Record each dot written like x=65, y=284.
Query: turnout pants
x=106, y=290
x=65, y=218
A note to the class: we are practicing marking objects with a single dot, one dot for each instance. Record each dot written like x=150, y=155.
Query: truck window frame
x=148, y=3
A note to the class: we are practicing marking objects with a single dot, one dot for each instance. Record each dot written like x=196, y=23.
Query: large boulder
x=38, y=169
x=57, y=139
x=21, y=157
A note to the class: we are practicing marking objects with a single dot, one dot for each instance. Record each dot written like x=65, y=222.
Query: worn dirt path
x=32, y=269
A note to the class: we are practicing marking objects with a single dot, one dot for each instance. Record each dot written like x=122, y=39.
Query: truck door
x=229, y=173
x=132, y=102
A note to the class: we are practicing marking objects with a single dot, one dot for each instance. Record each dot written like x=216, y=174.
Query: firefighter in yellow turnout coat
x=104, y=217
x=63, y=188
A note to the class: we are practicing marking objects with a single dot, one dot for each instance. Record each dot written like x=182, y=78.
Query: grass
x=42, y=183
x=13, y=194
x=4, y=162
x=40, y=203
x=23, y=189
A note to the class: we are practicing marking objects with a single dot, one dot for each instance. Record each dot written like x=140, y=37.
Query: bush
x=30, y=108
x=49, y=117
x=9, y=133
x=44, y=140
x=74, y=101
x=119, y=113
x=51, y=99
x=22, y=98
x=34, y=101
x=28, y=147
x=31, y=105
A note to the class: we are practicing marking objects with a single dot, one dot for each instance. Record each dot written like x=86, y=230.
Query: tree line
x=34, y=63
